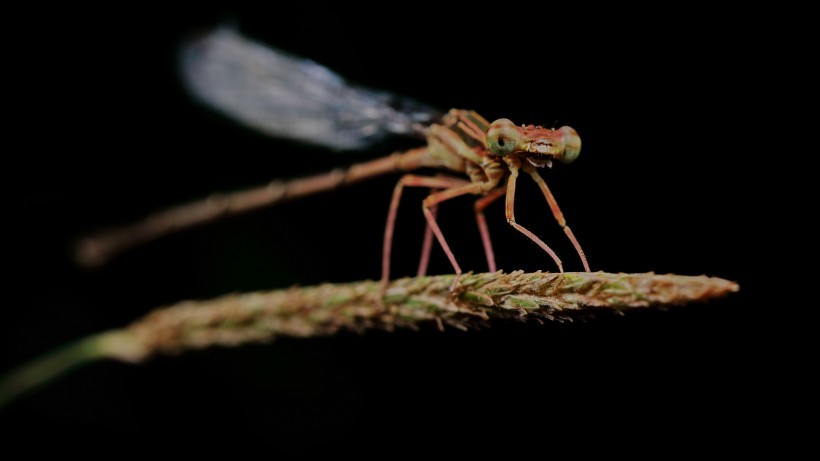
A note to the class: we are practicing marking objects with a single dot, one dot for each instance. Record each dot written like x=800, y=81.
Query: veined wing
x=292, y=97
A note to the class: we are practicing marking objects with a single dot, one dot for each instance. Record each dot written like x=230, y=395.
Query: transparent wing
x=292, y=97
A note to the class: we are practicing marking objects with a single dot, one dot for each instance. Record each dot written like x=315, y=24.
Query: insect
x=295, y=98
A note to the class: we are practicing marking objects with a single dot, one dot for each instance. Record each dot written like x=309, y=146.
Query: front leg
x=557, y=212
x=514, y=166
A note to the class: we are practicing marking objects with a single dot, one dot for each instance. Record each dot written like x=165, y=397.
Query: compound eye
x=503, y=138
x=572, y=144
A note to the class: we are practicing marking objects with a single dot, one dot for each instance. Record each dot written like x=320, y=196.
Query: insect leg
x=510, y=204
x=427, y=245
x=453, y=187
x=479, y=206
x=557, y=212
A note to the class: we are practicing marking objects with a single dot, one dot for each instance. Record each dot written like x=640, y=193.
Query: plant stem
x=328, y=308
x=52, y=365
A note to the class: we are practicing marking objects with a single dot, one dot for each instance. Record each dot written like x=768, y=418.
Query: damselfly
x=298, y=99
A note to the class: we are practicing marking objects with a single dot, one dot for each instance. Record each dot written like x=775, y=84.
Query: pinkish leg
x=450, y=185
x=557, y=213
x=479, y=206
x=427, y=244
x=436, y=198
x=510, y=205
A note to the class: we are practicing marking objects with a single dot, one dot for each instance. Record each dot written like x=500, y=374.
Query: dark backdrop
x=665, y=183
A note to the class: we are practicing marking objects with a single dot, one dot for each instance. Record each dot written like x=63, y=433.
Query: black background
x=669, y=181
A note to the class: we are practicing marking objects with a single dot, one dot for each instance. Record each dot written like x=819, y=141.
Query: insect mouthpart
x=541, y=146
x=540, y=162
